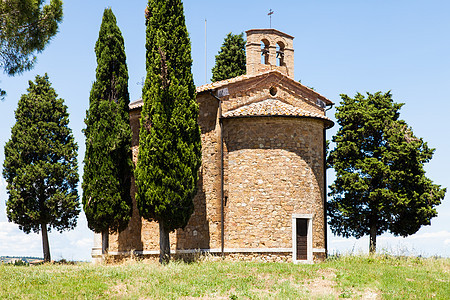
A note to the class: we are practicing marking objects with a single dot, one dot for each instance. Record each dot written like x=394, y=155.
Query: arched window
x=265, y=52
x=280, y=54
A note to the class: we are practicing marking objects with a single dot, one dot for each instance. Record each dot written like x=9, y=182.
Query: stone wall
x=258, y=89
x=272, y=37
x=203, y=229
x=273, y=169
x=130, y=238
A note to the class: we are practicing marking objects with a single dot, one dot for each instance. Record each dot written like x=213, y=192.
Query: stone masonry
x=278, y=45
x=262, y=149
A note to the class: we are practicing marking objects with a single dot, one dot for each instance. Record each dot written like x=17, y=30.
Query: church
x=262, y=183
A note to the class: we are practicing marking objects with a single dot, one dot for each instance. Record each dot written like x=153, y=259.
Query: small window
x=273, y=91
x=265, y=52
x=280, y=54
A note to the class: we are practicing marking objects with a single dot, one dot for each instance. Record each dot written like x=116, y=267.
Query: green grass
x=393, y=277
x=379, y=277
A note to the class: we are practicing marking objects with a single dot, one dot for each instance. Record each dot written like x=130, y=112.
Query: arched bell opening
x=265, y=52
x=280, y=54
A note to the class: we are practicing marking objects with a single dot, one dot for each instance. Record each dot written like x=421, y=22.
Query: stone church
x=262, y=184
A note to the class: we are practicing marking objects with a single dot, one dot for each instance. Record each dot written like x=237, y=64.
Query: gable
x=248, y=89
x=262, y=79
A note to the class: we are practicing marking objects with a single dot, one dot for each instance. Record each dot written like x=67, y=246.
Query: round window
x=273, y=91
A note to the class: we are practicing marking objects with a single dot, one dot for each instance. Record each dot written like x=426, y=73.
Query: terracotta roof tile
x=218, y=84
x=136, y=104
x=272, y=107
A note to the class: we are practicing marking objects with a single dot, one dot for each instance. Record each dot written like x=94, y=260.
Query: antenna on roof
x=270, y=17
x=206, y=71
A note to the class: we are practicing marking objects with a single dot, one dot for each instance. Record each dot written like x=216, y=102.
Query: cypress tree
x=40, y=164
x=230, y=61
x=107, y=163
x=380, y=180
x=169, y=138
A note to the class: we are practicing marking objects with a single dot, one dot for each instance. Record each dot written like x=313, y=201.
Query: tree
x=107, y=163
x=40, y=164
x=380, y=181
x=230, y=62
x=26, y=27
x=169, y=139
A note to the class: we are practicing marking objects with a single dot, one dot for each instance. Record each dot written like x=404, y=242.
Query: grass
x=378, y=277
x=393, y=277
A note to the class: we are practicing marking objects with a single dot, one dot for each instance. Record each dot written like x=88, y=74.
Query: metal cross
x=270, y=16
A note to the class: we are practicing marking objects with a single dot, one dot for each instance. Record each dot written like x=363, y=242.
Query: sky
x=341, y=47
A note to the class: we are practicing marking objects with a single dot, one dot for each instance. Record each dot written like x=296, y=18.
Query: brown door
x=302, y=239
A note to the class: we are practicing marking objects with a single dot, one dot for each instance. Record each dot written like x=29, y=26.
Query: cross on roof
x=270, y=16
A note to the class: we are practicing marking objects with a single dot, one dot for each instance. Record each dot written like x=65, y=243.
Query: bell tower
x=269, y=49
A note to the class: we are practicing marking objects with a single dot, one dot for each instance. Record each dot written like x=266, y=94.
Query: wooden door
x=302, y=239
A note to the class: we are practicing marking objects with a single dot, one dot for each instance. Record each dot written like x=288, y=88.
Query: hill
x=344, y=277
x=26, y=259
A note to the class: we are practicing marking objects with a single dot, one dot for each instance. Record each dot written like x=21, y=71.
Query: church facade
x=262, y=187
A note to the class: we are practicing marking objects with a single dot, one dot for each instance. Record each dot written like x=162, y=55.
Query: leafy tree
x=26, y=27
x=169, y=138
x=380, y=181
x=107, y=163
x=230, y=62
x=40, y=164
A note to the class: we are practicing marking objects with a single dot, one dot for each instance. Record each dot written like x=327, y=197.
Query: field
x=356, y=277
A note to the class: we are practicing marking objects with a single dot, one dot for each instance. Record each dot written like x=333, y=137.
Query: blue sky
x=340, y=47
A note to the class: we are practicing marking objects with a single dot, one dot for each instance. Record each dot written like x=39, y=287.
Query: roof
x=136, y=104
x=271, y=30
x=273, y=107
x=220, y=84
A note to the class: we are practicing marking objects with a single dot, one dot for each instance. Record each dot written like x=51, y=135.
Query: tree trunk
x=45, y=245
x=164, y=245
x=373, y=239
x=105, y=241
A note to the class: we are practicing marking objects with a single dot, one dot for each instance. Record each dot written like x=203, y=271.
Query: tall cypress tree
x=230, y=61
x=108, y=166
x=169, y=138
x=40, y=165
